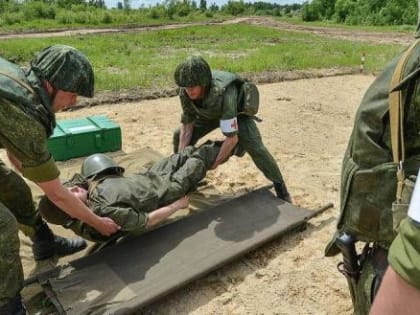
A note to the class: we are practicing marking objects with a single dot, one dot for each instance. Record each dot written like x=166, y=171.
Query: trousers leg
x=251, y=141
x=16, y=195
x=187, y=168
x=11, y=272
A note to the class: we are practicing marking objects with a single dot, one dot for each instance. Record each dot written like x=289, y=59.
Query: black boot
x=281, y=191
x=13, y=307
x=45, y=244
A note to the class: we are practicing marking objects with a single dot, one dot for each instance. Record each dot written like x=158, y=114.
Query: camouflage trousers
x=250, y=140
x=16, y=211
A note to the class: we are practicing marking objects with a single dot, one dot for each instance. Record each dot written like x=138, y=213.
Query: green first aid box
x=85, y=136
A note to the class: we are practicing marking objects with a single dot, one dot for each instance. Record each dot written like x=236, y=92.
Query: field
x=307, y=120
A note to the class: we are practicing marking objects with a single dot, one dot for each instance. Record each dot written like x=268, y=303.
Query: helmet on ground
x=66, y=68
x=100, y=163
x=194, y=71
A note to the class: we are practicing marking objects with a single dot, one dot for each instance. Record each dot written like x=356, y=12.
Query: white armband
x=414, y=208
x=229, y=125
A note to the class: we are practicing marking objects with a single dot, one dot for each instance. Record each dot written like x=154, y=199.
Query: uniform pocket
x=367, y=200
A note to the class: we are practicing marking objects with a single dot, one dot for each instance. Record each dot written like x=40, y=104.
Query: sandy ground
x=306, y=127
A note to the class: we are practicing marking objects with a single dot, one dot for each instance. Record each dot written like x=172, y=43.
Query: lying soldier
x=135, y=202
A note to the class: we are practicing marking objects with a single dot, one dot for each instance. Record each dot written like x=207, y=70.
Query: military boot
x=281, y=191
x=45, y=244
x=13, y=307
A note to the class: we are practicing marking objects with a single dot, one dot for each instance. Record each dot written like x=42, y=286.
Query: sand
x=306, y=126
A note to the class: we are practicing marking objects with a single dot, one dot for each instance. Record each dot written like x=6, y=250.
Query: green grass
x=148, y=59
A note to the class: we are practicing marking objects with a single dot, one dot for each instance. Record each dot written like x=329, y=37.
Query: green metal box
x=81, y=137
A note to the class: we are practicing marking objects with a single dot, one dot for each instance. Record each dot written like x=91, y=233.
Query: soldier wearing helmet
x=28, y=102
x=211, y=99
x=137, y=201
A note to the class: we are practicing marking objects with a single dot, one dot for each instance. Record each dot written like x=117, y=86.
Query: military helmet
x=99, y=163
x=66, y=68
x=193, y=71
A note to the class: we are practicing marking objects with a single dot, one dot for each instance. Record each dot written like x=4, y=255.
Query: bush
x=13, y=18
x=106, y=18
x=38, y=10
x=154, y=14
x=65, y=17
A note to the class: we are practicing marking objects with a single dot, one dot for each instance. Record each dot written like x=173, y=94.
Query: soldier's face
x=195, y=92
x=63, y=99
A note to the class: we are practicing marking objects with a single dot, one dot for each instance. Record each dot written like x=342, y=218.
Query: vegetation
x=362, y=12
x=148, y=59
x=41, y=14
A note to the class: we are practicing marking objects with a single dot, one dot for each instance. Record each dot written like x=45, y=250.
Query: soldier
x=382, y=155
x=211, y=99
x=135, y=202
x=28, y=101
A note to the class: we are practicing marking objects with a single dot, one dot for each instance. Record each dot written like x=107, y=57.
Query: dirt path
x=339, y=33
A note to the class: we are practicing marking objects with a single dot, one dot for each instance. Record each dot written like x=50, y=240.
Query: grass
x=148, y=59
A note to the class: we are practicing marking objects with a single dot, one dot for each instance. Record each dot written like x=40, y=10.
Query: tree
x=203, y=5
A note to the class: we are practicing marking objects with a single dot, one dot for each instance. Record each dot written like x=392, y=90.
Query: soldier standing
x=28, y=101
x=210, y=100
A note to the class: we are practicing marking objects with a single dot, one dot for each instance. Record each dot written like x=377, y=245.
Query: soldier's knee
x=255, y=149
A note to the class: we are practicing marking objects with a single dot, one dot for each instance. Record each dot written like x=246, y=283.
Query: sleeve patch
x=229, y=125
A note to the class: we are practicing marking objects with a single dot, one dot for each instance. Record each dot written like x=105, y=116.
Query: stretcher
x=125, y=277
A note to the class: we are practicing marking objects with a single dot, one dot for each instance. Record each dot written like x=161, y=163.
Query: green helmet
x=193, y=72
x=99, y=163
x=66, y=68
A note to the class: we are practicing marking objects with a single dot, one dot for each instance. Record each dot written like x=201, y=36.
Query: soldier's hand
x=106, y=226
x=183, y=202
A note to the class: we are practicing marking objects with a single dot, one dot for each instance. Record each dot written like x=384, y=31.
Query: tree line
x=94, y=12
x=362, y=12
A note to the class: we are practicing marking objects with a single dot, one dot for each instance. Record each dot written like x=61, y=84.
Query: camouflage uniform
x=26, y=121
x=369, y=176
x=218, y=107
x=404, y=253
x=128, y=199
x=24, y=137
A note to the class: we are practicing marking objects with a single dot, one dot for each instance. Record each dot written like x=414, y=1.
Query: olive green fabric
x=128, y=199
x=404, y=254
x=26, y=119
x=66, y=68
x=249, y=139
x=16, y=206
x=219, y=103
x=368, y=183
x=194, y=71
x=11, y=273
x=25, y=91
x=27, y=140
